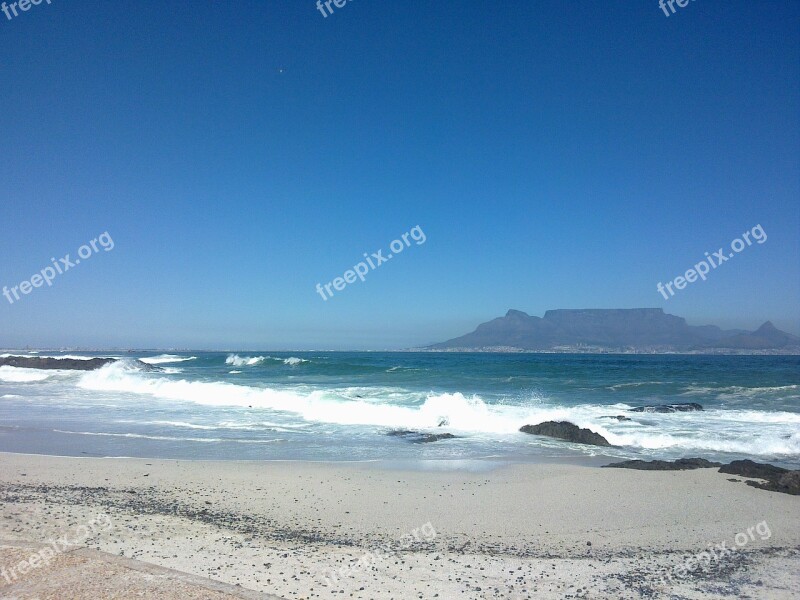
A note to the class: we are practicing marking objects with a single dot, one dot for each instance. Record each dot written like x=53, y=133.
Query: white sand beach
x=519, y=531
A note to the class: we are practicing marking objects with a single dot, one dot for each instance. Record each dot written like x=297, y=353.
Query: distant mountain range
x=616, y=330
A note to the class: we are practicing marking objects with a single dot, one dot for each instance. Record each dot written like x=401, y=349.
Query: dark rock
x=790, y=483
x=564, y=430
x=748, y=468
x=668, y=408
x=776, y=479
x=420, y=437
x=618, y=418
x=68, y=364
x=682, y=464
x=37, y=362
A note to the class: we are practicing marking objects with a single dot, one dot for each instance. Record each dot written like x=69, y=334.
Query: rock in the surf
x=668, y=408
x=564, y=430
x=420, y=437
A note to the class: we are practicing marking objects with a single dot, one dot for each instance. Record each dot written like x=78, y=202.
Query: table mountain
x=649, y=329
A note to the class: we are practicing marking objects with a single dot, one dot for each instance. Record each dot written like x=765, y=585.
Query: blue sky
x=556, y=155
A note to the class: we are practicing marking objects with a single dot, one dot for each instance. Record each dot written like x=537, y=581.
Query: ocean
x=341, y=406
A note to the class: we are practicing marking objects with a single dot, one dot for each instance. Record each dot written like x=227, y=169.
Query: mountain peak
x=766, y=327
x=516, y=313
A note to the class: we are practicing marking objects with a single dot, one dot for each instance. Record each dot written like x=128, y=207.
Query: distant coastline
x=616, y=331
x=795, y=351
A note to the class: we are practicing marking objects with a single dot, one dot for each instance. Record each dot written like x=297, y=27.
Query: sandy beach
x=310, y=530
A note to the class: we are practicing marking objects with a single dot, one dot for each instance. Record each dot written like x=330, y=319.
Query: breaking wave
x=249, y=361
x=751, y=432
x=166, y=358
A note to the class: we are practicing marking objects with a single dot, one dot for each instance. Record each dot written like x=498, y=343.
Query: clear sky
x=555, y=154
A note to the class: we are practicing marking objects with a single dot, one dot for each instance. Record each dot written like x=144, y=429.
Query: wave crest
x=750, y=432
x=248, y=361
x=166, y=358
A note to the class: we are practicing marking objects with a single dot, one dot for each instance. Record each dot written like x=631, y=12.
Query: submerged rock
x=668, y=408
x=420, y=437
x=618, y=418
x=564, y=430
x=682, y=464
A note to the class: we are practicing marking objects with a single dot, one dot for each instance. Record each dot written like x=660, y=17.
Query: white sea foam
x=748, y=442
x=169, y=423
x=22, y=375
x=166, y=358
x=741, y=391
x=744, y=431
x=468, y=414
x=166, y=438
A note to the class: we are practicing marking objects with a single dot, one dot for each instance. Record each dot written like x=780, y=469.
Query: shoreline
x=516, y=531
x=403, y=464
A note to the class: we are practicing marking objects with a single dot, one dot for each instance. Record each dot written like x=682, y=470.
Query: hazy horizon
x=290, y=348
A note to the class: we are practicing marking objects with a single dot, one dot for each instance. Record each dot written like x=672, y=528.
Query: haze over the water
x=238, y=155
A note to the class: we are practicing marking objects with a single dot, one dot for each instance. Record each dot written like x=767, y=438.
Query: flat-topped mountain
x=649, y=329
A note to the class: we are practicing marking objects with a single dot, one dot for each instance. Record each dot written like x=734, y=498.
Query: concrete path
x=28, y=571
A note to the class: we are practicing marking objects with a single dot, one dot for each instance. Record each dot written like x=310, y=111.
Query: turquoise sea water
x=342, y=405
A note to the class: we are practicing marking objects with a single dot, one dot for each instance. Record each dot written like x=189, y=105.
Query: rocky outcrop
x=682, y=464
x=668, y=408
x=564, y=430
x=71, y=364
x=68, y=364
x=789, y=483
x=775, y=479
x=748, y=468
